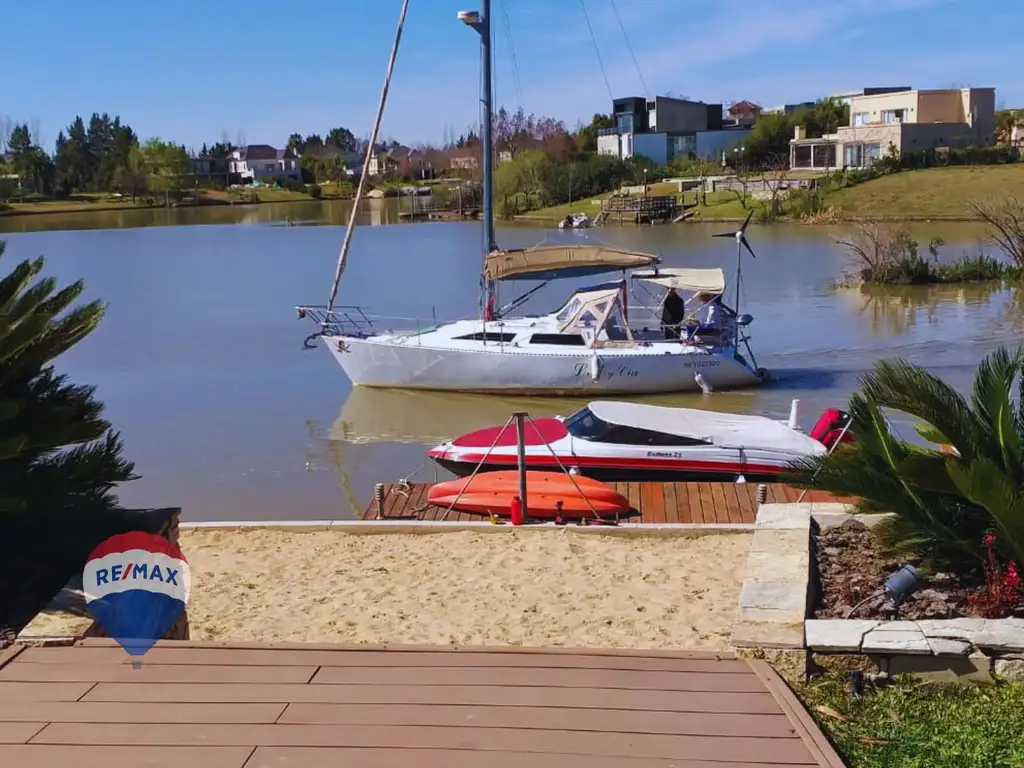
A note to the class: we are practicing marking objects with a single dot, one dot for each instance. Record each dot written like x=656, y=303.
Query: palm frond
x=993, y=404
x=984, y=483
x=915, y=391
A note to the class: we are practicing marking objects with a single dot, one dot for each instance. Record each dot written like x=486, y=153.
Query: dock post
x=378, y=493
x=521, y=446
x=762, y=494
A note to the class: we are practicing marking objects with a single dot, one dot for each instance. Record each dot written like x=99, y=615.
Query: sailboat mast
x=739, y=275
x=486, y=129
x=370, y=149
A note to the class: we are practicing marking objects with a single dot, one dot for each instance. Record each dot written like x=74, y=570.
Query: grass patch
x=588, y=205
x=920, y=725
x=79, y=202
x=726, y=205
x=262, y=195
x=932, y=192
x=721, y=205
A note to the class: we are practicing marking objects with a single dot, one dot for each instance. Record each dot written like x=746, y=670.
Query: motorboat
x=584, y=347
x=618, y=441
x=575, y=221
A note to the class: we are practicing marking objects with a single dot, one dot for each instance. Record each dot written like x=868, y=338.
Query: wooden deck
x=251, y=706
x=651, y=502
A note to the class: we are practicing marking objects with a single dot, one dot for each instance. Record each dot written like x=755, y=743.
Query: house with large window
x=664, y=128
x=903, y=120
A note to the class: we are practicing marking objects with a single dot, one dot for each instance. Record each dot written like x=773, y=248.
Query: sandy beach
x=555, y=588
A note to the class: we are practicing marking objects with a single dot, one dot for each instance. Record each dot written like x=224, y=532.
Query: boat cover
x=726, y=430
x=545, y=262
x=686, y=279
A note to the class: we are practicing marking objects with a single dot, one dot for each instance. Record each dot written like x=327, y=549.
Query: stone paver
x=837, y=635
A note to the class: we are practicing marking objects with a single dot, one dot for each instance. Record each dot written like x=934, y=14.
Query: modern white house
x=663, y=128
x=262, y=161
x=902, y=119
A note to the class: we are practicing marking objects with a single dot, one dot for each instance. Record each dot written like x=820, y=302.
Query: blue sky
x=193, y=71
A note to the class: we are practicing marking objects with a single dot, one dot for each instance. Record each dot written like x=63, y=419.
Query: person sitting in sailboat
x=708, y=317
x=673, y=312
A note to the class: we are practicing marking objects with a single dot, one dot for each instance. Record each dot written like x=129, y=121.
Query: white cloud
x=690, y=55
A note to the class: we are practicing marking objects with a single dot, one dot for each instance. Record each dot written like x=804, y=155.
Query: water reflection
x=895, y=310
x=376, y=213
x=371, y=415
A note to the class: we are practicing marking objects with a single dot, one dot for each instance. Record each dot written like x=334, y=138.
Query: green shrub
x=315, y=191
x=805, y=203
x=60, y=461
x=890, y=256
x=943, y=505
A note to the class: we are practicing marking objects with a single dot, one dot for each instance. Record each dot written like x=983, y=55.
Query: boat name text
x=621, y=372
x=702, y=364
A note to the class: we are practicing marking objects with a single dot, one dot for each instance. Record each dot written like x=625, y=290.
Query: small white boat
x=619, y=442
x=575, y=221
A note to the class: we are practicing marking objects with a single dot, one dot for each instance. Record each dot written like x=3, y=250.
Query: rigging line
x=343, y=255
x=615, y=9
x=512, y=50
x=597, y=50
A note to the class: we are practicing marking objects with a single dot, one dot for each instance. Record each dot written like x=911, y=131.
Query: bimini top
x=686, y=279
x=548, y=262
x=726, y=430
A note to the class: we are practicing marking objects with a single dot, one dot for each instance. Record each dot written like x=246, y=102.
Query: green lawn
x=78, y=202
x=931, y=193
x=912, y=724
x=721, y=205
x=589, y=205
x=938, y=192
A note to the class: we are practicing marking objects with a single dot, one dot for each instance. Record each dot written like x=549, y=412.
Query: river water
x=200, y=361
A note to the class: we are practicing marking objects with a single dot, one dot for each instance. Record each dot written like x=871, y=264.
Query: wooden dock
x=250, y=705
x=647, y=209
x=651, y=502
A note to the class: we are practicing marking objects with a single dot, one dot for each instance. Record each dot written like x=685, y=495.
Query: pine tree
x=59, y=459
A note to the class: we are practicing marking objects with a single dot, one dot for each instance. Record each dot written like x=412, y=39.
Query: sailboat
x=586, y=346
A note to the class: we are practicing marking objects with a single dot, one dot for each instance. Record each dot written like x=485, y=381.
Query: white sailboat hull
x=387, y=361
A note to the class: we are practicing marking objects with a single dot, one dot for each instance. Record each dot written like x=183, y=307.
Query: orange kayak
x=492, y=492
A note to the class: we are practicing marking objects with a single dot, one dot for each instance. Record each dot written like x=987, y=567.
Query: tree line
x=102, y=155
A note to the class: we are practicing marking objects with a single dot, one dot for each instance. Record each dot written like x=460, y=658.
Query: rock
x=957, y=629
x=896, y=637
x=768, y=634
x=1010, y=669
x=784, y=517
x=930, y=603
x=942, y=646
x=1003, y=634
x=781, y=596
x=837, y=635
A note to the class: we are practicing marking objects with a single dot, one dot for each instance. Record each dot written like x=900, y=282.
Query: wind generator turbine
x=740, y=235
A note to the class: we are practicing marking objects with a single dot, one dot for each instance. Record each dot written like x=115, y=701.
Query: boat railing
x=340, y=320
x=354, y=321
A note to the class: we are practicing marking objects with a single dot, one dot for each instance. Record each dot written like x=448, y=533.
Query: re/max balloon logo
x=136, y=586
x=137, y=571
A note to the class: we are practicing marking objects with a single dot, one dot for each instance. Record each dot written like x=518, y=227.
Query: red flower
x=989, y=540
x=1012, y=578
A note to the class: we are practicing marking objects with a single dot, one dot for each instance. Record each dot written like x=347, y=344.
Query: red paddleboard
x=492, y=492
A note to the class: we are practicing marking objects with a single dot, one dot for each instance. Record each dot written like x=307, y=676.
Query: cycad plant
x=59, y=460
x=944, y=503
